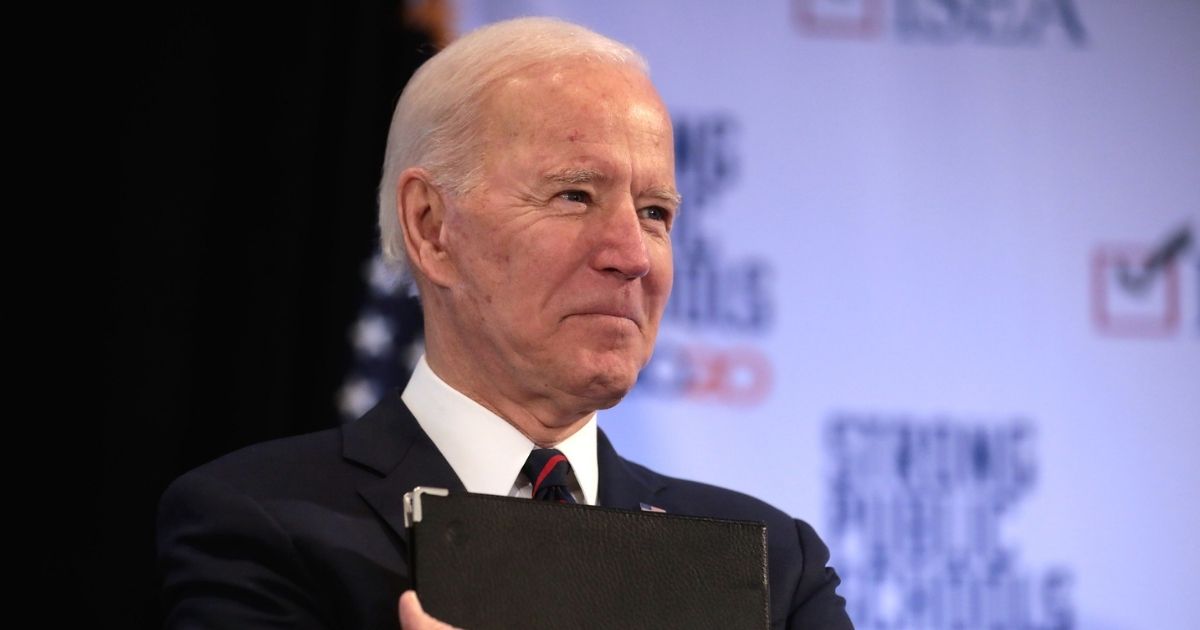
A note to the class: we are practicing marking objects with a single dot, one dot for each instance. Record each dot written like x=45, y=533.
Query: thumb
x=414, y=617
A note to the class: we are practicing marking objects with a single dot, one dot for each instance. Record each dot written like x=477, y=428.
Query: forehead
x=577, y=106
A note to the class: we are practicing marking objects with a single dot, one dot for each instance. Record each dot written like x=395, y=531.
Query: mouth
x=607, y=314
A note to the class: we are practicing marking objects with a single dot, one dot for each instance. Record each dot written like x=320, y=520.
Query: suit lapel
x=622, y=484
x=389, y=441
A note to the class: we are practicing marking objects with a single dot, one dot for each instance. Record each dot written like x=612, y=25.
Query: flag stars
x=372, y=335
x=356, y=398
x=382, y=277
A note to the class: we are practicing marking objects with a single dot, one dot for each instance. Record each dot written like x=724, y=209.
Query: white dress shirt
x=485, y=451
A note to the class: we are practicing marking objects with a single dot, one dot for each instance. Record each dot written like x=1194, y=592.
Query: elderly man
x=529, y=192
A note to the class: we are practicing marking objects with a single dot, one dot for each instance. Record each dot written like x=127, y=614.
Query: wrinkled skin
x=544, y=285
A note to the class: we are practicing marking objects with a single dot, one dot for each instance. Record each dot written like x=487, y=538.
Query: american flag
x=386, y=340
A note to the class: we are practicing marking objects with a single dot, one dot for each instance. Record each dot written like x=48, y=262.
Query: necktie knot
x=547, y=470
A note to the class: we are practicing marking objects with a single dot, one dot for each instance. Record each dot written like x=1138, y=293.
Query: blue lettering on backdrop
x=711, y=291
x=916, y=511
x=1011, y=22
x=989, y=22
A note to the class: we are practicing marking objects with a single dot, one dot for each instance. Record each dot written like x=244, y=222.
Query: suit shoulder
x=694, y=498
x=803, y=587
x=266, y=467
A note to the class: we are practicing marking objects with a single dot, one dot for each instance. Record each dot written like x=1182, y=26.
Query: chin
x=605, y=382
x=605, y=397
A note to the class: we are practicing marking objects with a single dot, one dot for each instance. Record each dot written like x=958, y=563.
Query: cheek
x=663, y=265
x=515, y=274
x=479, y=246
x=545, y=255
x=480, y=267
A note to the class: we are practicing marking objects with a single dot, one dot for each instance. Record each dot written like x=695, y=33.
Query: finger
x=414, y=617
x=411, y=613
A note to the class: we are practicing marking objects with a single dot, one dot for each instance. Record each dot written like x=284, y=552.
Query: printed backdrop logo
x=711, y=292
x=916, y=509
x=1136, y=288
x=840, y=18
x=1006, y=22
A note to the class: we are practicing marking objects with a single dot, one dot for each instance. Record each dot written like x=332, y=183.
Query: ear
x=422, y=212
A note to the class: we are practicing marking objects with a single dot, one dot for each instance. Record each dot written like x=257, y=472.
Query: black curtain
x=249, y=144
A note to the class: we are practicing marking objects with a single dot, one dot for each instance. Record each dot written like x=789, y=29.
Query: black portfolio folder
x=482, y=561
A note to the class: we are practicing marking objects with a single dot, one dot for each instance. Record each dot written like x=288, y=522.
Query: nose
x=621, y=248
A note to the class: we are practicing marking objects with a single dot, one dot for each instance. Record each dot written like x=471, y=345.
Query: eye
x=655, y=213
x=577, y=196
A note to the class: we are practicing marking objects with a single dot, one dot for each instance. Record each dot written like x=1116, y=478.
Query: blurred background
x=937, y=280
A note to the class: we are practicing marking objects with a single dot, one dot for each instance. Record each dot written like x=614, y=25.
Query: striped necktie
x=547, y=470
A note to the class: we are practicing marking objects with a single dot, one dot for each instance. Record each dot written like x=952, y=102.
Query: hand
x=413, y=617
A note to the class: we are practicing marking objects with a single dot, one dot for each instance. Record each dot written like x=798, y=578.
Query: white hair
x=437, y=120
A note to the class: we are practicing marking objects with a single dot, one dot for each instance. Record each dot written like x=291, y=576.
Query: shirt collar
x=485, y=451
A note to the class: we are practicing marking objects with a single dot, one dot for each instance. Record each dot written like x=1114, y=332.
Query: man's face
x=562, y=253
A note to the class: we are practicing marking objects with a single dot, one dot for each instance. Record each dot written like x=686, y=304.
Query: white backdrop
x=913, y=305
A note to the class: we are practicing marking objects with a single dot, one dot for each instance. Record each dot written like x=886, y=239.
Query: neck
x=546, y=420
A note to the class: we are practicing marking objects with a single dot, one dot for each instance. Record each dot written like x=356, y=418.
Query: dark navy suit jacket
x=308, y=532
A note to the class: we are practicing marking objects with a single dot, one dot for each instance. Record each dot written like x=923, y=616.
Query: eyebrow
x=574, y=176
x=666, y=194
